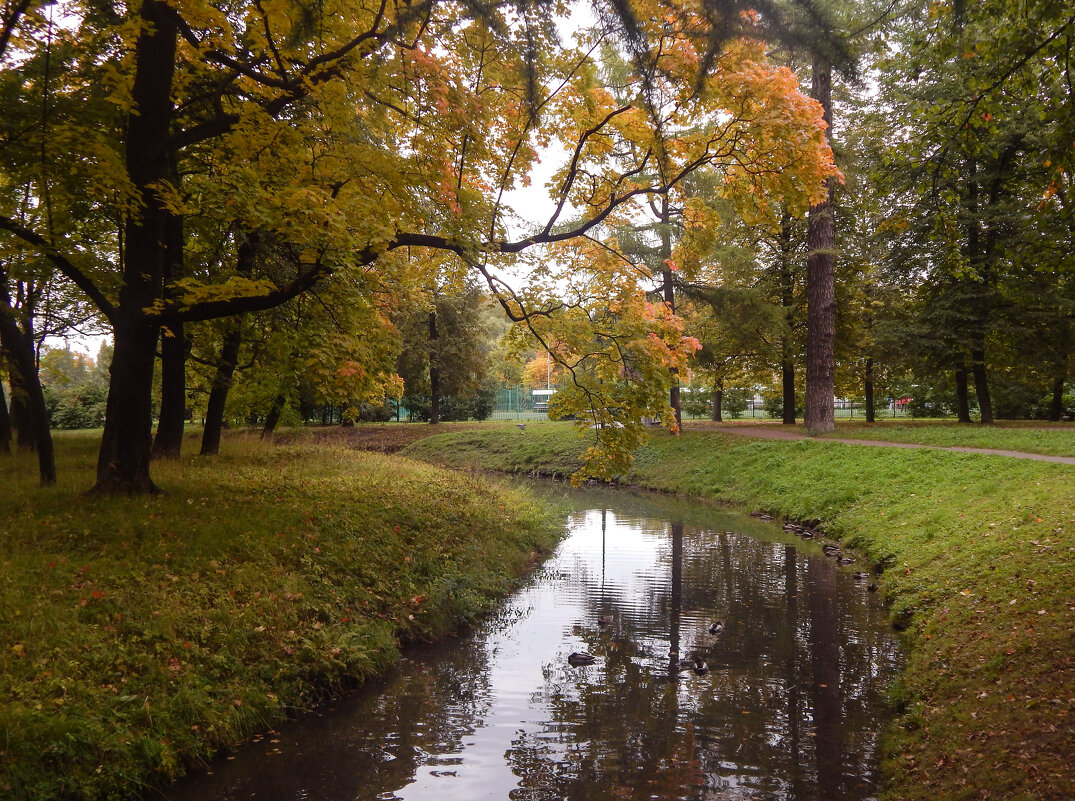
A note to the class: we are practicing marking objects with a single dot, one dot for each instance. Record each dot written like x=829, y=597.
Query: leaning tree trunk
x=819, y=415
x=218, y=394
x=20, y=351
x=434, y=370
x=5, y=424
x=123, y=461
x=273, y=417
x=962, y=395
x=868, y=387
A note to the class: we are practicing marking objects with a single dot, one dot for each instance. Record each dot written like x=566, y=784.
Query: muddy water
x=787, y=707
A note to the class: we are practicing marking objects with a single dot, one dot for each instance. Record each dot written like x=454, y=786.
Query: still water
x=788, y=706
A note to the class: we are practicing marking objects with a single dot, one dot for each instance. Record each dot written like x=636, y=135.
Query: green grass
x=1052, y=439
x=978, y=560
x=140, y=635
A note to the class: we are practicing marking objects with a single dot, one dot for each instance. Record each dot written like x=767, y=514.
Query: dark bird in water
x=580, y=658
x=873, y=588
x=698, y=665
x=521, y=426
x=844, y=560
x=716, y=628
x=860, y=576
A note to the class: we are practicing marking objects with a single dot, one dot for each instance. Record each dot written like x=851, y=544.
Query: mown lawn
x=976, y=556
x=138, y=636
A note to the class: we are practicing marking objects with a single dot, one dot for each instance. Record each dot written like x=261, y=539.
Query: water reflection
x=787, y=707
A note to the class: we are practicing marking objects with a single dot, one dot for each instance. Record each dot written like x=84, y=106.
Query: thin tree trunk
x=718, y=402
x=168, y=443
x=218, y=394
x=1056, y=406
x=670, y=300
x=273, y=417
x=981, y=386
x=5, y=424
x=123, y=461
x=787, y=300
x=962, y=395
x=869, y=390
x=819, y=415
x=434, y=370
x=787, y=380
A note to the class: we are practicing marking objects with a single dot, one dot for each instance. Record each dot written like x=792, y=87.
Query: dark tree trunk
x=819, y=415
x=168, y=443
x=123, y=462
x=669, y=291
x=718, y=402
x=981, y=386
x=218, y=394
x=22, y=419
x=869, y=391
x=20, y=351
x=273, y=417
x=175, y=347
x=787, y=380
x=962, y=396
x=5, y=423
x=434, y=370
x=1056, y=405
x=787, y=300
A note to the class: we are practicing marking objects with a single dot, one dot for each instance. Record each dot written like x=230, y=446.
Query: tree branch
x=62, y=263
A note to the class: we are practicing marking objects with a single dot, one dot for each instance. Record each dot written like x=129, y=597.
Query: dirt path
x=768, y=432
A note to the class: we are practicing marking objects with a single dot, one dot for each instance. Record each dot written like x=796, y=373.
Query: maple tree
x=350, y=130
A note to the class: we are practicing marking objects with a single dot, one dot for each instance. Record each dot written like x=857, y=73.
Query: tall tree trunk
x=981, y=386
x=168, y=443
x=718, y=402
x=218, y=393
x=273, y=417
x=20, y=350
x=668, y=289
x=5, y=423
x=819, y=414
x=434, y=370
x=962, y=395
x=787, y=300
x=1056, y=405
x=123, y=461
x=869, y=390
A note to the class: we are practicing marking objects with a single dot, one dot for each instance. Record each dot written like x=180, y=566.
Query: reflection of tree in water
x=789, y=709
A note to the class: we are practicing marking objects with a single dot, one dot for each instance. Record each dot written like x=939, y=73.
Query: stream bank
x=976, y=556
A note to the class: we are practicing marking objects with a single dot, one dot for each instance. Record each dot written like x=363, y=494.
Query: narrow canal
x=784, y=703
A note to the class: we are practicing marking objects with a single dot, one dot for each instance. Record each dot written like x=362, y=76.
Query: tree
x=353, y=131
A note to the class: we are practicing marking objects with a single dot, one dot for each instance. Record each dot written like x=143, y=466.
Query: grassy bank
x=140, y=635
x=978, y=561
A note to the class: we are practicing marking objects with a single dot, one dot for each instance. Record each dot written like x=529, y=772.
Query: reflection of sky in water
x=789, y=707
